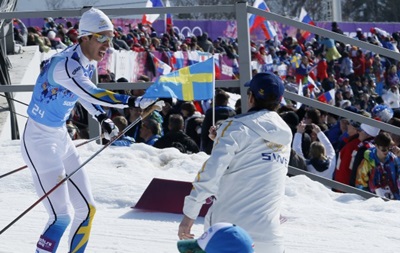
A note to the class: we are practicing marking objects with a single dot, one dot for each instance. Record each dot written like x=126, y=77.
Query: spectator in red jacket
x=359, y=64
x=322, y=68
x=348, y=153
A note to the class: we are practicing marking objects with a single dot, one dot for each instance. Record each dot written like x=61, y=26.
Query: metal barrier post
x=244, y=49
x=93, y=125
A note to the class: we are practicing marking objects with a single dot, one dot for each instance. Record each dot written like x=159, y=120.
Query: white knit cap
x=51, y=35
x=94, y=21
x=370, y=130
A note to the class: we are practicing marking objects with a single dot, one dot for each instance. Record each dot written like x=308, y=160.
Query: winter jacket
x=152, y=139
x=357, y=156
x=382, y=178
x=346, y=68
x=221, y=113
x=193, y=127
x=392, y=99
x=323, y=168
x=123, y=141
x=343, y=164
x=246, y=174
x=179, y=140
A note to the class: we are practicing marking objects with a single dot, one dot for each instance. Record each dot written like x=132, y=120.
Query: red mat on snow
x=163, y=195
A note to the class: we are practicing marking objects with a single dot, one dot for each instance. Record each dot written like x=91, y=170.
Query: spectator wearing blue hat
x=382, y=113
x=246, y=171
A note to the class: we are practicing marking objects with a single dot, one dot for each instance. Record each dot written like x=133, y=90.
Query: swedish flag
x=195, y=82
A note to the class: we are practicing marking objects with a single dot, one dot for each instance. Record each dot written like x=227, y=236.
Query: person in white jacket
x=392, y=97
x=322, y=160
x=246, y=171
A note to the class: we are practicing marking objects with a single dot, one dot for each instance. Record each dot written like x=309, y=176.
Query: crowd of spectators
x=326, y=144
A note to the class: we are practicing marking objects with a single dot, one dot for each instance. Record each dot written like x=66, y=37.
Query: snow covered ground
x=318, y=220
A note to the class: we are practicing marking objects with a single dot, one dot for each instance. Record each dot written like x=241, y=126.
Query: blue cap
x=352, y=109
x=263, y=84
x=355, y=124
x=382, y=112
x=220, y=238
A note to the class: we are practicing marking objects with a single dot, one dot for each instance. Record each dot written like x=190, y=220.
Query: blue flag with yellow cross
x=195, y=82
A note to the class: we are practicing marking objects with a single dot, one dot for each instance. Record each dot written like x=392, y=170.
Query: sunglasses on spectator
x=385, y=149
x=102, y=38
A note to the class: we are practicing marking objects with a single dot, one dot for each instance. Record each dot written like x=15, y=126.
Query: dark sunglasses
x=385, y=149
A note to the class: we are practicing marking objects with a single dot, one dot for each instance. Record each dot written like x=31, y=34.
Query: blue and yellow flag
x=195, y=82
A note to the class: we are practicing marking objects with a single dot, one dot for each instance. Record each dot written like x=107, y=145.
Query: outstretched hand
x=184, y=228
x=141, y=102
x=145, y=103
x=212, y=132
x=159, y=105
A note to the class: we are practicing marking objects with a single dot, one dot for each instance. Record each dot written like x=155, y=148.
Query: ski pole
x=13, y=99
x=25, y=166
x=16, y=113
x=145, y=114
x=22, y=103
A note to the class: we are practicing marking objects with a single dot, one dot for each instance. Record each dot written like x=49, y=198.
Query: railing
x=241, y=11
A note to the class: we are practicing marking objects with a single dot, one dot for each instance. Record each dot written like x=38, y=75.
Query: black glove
x=132, y=102
x=109, y=128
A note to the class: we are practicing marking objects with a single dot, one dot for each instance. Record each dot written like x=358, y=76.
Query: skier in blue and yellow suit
x=46, y=146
